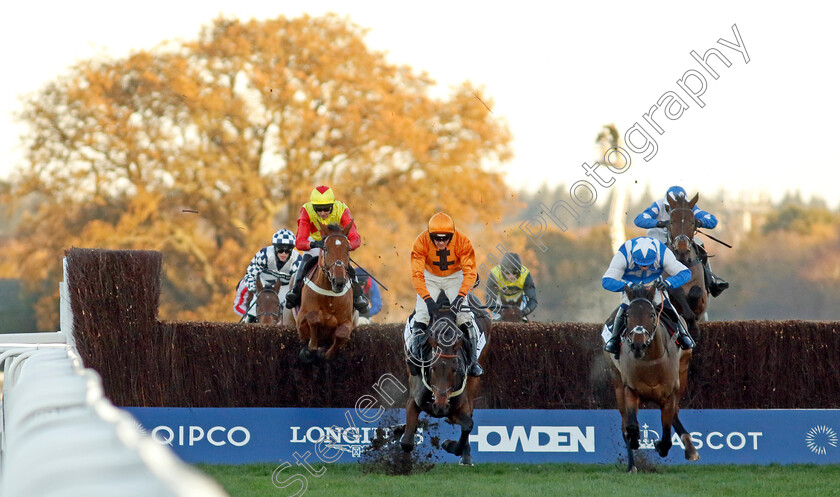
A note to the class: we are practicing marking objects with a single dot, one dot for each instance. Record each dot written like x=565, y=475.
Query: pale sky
x=557, y=73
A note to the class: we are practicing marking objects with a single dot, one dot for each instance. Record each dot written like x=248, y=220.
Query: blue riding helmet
x=676, y=192
x=644, y=252
x=283, y=237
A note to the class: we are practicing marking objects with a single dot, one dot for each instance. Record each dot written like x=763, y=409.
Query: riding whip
x=715, y=239
x=368, y=272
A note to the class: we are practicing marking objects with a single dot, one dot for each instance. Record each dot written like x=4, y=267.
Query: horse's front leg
x=631, y=426
x=690, y=451
x=461, y=448
x=412, y=414
x=667, y=412
x=341, y=337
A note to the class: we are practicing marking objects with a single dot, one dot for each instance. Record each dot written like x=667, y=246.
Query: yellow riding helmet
x=441, y=223
x=322, y=195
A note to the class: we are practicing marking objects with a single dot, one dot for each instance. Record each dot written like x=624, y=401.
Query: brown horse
x=509, y=311
x=269, y=310
x=650, y=367
x=443, y=389
x=326, y=308
x=681, y=229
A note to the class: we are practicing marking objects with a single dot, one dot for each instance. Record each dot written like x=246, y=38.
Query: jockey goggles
x=440, y=237
x=283, y=249
x=322, y=207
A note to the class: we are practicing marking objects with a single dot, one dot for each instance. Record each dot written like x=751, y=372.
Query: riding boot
x=414, y=357
x=293, y=296
x=714, y=284
x=471, y=331
x=250, y=319
x=684, y=339
x=613, y=345
x=360, y=301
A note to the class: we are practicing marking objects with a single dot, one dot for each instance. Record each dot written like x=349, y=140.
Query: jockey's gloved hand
x=662, y=284
x=457, y=303
x=431, y=305
x=661, y=224
x=698, y=223
x=316, y=244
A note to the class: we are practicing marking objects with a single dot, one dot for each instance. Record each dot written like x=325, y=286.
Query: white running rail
x=61, y=437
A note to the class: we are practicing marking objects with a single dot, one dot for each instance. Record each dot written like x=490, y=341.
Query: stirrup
x=475, y=369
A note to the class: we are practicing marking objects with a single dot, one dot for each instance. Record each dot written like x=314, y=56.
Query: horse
x=443, y=389
x=326, y=313
x=269, y=310
x=681, y=229
x=510, y=311
x=650, y=367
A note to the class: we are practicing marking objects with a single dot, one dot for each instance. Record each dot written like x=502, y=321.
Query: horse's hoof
x=661, y=448
x=466, y=460
x=692, y=456
x=407, y=447
x=449, y=446
x=633, y=470
x=321, y=354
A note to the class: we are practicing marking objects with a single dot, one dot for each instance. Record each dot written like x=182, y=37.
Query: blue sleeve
x=613, y=284
x=647, y=219
x=707, y=220
x=375, y=299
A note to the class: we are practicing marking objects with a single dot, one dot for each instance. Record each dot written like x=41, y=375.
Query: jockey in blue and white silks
x=655, y=218
x=639, y=261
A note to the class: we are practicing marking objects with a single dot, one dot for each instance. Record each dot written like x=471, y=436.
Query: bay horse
x=269, y=310
x=443, y=389
x=326, y=313
x=681, y=230
x=651, y=367
x=510, y=312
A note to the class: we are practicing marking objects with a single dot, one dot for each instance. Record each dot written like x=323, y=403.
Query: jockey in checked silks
x=321, y=210
x=276, y=261
x=442, y=259
x=642, y=260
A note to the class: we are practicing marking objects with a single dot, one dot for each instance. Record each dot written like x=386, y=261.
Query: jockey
x=276, y=261
x=442, y=259
x=510, y=281
x=643, y=260
x=656, y=218
x=371, y=291
x=321, y=210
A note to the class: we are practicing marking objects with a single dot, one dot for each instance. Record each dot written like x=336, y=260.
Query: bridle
x=327, y=269
x=461, y=371
x=641, y=330
x=277, y=315
x=682, y=237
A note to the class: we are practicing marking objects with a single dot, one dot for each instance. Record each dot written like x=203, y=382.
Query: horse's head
x=448, y=371
x=642, y=318
x=269, y=310
x=335, y=256
x=682, y=225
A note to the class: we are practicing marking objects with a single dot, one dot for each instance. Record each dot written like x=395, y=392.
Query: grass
x=531, y=480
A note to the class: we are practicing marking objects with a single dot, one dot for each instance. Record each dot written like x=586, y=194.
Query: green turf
x=531, y=480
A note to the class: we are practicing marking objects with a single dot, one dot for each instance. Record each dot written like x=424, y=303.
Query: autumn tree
x=202, y=149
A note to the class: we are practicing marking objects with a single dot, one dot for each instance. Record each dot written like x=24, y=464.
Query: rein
x=279, y=312
x=649, y=334
x=327, y=271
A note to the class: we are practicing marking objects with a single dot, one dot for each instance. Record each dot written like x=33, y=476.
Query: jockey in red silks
x=321, y=210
